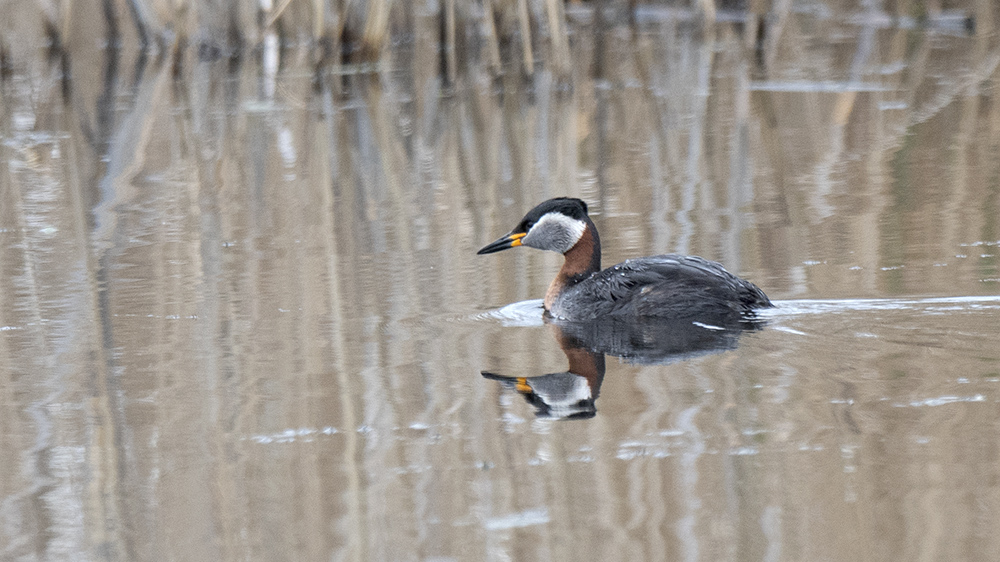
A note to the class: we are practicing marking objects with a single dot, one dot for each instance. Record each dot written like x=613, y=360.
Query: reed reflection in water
x=241, y=315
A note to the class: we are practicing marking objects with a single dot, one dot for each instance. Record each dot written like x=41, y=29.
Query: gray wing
x=668, y=285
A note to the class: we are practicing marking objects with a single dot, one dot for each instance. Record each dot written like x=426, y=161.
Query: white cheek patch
x=562, y=392
x=555, y=231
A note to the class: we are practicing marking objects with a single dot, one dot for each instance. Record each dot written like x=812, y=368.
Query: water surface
x=241, y=314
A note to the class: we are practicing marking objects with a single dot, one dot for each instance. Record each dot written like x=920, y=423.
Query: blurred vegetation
x=337, y=32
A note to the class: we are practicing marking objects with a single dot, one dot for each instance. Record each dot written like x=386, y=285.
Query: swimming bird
x=668, y=286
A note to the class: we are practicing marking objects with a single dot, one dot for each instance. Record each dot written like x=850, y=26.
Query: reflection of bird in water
x=658, y=340
x=572, y=394
x=665, y=286
x=567, y=395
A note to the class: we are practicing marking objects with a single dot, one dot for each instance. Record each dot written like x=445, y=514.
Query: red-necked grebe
x=664, y=286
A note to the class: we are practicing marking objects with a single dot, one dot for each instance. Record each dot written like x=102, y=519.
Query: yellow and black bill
x=519, y=384
x=510, y=241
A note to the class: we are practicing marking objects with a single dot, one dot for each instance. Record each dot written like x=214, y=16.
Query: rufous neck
x=582, y=260
x=582, y=361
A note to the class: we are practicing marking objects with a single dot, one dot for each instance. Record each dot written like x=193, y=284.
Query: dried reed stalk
x=450, y=55
x=525, y=24
x=556, y=16
x=492, y=40
x=376, y=31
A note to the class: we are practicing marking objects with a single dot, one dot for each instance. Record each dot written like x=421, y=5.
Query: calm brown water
x=242, y=318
